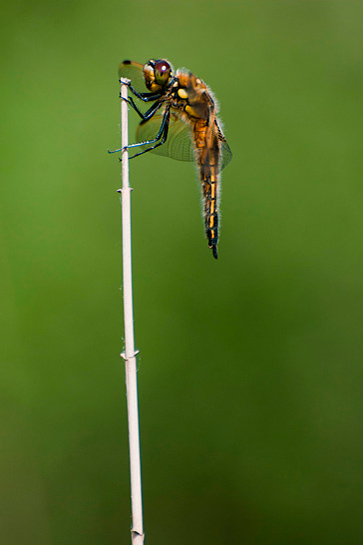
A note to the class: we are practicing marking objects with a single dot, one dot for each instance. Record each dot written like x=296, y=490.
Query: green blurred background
x=249, y=365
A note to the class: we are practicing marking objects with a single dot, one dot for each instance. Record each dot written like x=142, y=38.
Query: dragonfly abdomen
x=211, y=217
x=208, y=161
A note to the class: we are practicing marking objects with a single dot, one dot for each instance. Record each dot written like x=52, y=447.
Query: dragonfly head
x=157, y=74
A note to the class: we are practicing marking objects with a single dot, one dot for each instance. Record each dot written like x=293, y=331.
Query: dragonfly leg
x=145, y=97
x=145, y=117
x=163, y=135
x=149, y=113
x=165, y=121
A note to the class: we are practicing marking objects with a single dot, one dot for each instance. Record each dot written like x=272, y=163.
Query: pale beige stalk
x=137, y=531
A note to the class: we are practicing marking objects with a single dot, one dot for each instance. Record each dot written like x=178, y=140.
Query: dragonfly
x=181, y=123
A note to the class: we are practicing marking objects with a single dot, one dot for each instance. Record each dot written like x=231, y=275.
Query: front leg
x=145, y=97
x=149, y=113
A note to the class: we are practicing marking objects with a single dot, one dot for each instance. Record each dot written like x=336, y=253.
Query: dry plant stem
x=137, y=532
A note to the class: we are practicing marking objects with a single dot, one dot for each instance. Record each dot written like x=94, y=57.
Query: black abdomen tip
x=215, y=253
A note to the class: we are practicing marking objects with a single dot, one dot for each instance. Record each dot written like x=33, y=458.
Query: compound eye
x=162, y=70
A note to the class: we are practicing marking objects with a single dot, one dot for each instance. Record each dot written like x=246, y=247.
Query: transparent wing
x=135, y=72
x=226, y=154
x=179, y=144
x=225, y=149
